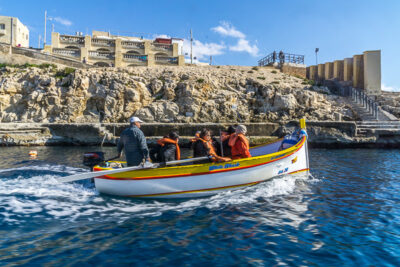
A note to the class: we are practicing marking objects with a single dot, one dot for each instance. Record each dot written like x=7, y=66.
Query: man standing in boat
x=133, y=141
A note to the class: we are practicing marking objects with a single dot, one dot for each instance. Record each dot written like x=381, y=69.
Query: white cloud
x=389, y=88
x=203, y=50
x=244, y=46
x=161, y=36
x=228, y=29
x=62, y=21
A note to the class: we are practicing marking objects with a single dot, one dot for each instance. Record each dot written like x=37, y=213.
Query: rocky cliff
x=161, y=94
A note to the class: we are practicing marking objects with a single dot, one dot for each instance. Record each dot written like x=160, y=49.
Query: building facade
x=360, y=71
x=106, y=50
x=13, y=32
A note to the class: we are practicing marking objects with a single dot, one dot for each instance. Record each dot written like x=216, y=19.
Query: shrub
x=201, y=80
x=261, y=78
x=275, y=82
x=250, y=71
x=254, y=68
x=64, y=73
x=274, y=72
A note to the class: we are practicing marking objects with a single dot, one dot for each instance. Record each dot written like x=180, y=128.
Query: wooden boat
x=199, y=180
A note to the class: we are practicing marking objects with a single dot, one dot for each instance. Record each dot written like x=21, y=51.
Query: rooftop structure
x=104, y=49
x=13, y=32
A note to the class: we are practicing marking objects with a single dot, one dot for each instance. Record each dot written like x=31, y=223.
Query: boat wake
x=33, y=194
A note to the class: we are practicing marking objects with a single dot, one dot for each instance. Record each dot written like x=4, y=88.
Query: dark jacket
x=133, y=142
x=200, y=149
x=163, y=153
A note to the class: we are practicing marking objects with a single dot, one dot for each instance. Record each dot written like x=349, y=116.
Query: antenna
x=45, y=20
x=191, y=47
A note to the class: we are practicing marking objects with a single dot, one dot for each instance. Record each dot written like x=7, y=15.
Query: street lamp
x=316, y=55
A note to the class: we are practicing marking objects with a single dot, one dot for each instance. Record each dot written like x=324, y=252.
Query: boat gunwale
x=274, y=157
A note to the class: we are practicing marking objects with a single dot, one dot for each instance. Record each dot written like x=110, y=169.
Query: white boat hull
x=220, y=177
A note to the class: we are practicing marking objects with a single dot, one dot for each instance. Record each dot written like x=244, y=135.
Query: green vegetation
x=162, y=78
x=64, y=73
x=261, y=78
x=27, y=65
x=250, y=71
x=274, y=72
x=160, y=96
x=254, y=68
x=201, y=80
x=309, y=82
x=275, y=82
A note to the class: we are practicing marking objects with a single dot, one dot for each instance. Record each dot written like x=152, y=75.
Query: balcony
x=101, y=55
x=75, y=53
x=3, y=32
x=76, y=40
x=132, y=45
x=103, y=42
x=163, y=60
x=161, y=47
x=135, y=59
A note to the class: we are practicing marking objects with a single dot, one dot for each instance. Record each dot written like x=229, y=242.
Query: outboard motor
x=91, y=159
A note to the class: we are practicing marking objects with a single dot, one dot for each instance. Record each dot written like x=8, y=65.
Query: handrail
x=360, y=97
x=281, y=58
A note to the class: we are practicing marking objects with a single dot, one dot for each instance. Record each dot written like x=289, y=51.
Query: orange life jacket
x=196, y=137
x=164, y=141
x=240, y=146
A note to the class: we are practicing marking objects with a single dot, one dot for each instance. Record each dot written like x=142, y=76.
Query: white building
x=13, y=32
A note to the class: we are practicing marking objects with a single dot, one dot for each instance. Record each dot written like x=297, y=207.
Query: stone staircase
x=380, y=128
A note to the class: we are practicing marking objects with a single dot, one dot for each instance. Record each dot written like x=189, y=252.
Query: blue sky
x=235, y=32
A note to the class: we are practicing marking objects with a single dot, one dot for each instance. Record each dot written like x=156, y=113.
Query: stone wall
x=294, y=70
x=364, y=71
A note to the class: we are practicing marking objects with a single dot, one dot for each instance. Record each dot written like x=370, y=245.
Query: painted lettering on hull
x=225, y=166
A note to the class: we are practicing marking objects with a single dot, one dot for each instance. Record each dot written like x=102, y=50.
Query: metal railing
x=281, y=58
x=363, y=99
x=162, y=47
x=101, y=55
x=68, y=39
x=131, y=44
x=67, y=52
x=166, y=60
x=102, y=42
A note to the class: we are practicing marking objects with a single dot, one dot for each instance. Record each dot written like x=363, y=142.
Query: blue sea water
x=347, y=213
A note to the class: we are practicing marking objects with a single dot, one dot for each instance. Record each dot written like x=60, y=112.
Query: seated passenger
x=202, y=144
x=239, y=144
x=167, y=149
x=203, y=147
x=226, y=149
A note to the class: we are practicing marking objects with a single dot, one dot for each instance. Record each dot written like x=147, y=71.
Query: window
x=2, y=26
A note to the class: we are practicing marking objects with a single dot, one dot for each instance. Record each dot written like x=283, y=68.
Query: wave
x=33, y=194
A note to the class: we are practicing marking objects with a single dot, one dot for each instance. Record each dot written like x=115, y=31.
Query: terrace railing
x=284, y=58
x=102, y=42
x=166, y=60
x=131, y=44
x=134, y=58
x=76, y=40
x=101, y=55
x=162, y=47
x=67, y=52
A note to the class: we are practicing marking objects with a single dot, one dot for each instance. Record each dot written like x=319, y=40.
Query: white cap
x=135, y=119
